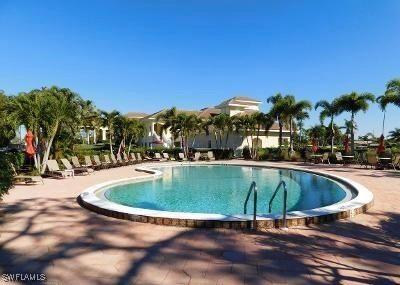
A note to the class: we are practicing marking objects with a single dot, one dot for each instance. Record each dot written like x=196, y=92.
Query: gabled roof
x=135, y=115
x=208, y=112
x=238, y=100
x=154, y=115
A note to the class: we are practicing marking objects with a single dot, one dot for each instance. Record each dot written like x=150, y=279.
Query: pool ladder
x=253, y=188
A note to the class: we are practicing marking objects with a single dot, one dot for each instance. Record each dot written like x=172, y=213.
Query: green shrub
x=6, y=170
x=246, y=153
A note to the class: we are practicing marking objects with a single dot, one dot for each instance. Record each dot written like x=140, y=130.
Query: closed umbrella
x=381, y=146
x=314, y=147
x=30, y=149
x=346, y=144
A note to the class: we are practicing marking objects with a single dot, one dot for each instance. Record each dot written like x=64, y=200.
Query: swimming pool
x=222, y=189
x=213, y=194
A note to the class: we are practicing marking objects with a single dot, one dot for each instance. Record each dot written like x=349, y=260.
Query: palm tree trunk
x=332, y=135
x=352, y=132
x=226, y=139
x=291, y=134
x=383, y=123
x=280, y=133
x=46, y=154
x=110, y=141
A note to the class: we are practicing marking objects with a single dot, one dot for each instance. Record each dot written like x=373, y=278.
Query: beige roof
x=208, y=112
x=135, y=115
x=188, y=112
x=238, y=100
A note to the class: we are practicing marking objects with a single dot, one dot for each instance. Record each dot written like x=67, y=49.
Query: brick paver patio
x=44, y=230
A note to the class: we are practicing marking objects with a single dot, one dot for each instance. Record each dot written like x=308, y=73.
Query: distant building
x=236, y=106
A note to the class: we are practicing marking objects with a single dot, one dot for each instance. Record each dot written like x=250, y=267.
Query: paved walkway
x=44, y=230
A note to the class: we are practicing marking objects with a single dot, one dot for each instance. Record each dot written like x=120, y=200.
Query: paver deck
x=44, y=230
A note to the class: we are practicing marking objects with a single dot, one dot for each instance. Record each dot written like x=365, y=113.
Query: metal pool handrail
x=282, y=183
x=253, y=187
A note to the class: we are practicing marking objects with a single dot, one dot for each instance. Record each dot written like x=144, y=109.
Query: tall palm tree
x=354, y=102
x=393, y=91
x=186, y=125
x=329, y=110
x=109, y=119
x=169, y=120
x=244, y=124
x=294, y=109
x=279, y=106
x=262, y=121
x=220, y=124
x=391, y=96
x=300, y=122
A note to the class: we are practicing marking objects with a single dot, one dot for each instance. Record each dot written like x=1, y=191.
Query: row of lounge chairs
x=364, y=159
x=70, y=168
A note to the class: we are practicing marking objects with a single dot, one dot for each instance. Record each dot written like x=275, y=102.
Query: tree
x=168, y=118
x=279, y=106
x=391, y=96
x=45, y=112
x=395, y=135
x=300, y=122
x=220, y=124
x=261, y=121
x=186, y=125
x=108, y=120
x=329, y=110
x=294, y=109
x=354, y=102
x=7, y=124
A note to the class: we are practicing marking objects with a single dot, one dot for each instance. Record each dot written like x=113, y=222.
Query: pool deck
x=44, y=230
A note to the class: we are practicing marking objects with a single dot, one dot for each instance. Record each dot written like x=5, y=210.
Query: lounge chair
x=89, y=164
x=75, y=162
x=126, y=159
x=395, y=163
x=139, y=157
x=27, y=179
x=307, y=157
x=181, y=157
x=133, y=158
x=325, y=158
x=115, y=160
x=68, y=166
x=55, y=171
x=196, y=156
x=210, y=155
x=166, y=156
x=108, y=162
x=372, y=160
x=339, y=157
x=98, y=163
x=157, y=157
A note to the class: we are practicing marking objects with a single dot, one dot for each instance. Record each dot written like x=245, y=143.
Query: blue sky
x=147, y=55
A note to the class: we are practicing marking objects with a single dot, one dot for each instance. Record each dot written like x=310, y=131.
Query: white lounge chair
x=68, y=166
x=196, y=156
x=166, y=156
x=27, y=179
x=108, y=162
x=210, y=155
x=98, y=163
x=89, y=164
x=157, y=157
x=55, y=171
x=182, y=157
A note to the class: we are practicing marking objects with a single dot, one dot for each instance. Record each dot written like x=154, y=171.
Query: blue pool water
x=222, y=189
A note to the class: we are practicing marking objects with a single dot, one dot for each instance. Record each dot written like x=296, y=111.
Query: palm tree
x=186, y=125
x=279, y=106
x=300, y=122
x=261, y=121
x=391, y=96
x=329, y=110
x=354, y=102
x=293, y=110
x=109, y=119
x=245, y=124
x=7, y=124
x=46, y=112
x=220, y=124
x=393, y=92
x=395, y=135
x=169, y=120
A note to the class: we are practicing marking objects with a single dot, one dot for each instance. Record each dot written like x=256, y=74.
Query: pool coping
x=93, y=199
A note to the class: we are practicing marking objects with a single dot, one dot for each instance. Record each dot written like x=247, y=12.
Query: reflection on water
x=222, y=189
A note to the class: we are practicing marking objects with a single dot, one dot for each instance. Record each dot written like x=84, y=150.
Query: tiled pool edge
x=360, y=204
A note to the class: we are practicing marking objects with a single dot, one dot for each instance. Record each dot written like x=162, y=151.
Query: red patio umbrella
x=381, y=146
x=30, y=149
x=346, y=144
x=314, y=147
